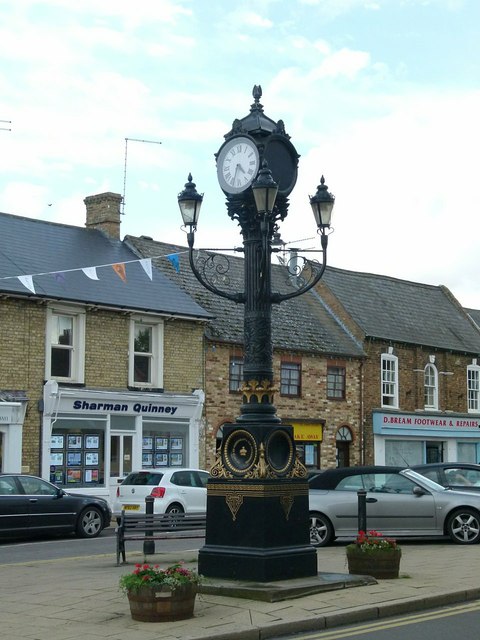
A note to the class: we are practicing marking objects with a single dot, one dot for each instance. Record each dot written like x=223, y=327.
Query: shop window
x=162, y=448
x=404, y=452
x=146, y=353
x=430, y=381
x=389, y=380
x=77, y=457
x=473, y=387
x=65, y=344
x=336, y=383
x=290, y=379
x=235, y=375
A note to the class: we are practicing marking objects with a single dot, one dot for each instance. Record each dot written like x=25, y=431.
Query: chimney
x=103, y=212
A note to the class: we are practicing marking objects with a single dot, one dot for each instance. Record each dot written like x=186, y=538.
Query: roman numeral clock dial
x=237, y=164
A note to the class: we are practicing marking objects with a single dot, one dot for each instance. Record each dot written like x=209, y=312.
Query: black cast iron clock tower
x=257, y=498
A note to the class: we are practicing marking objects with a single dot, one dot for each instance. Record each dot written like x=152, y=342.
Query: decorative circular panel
x=240, y=451
x=280, y=451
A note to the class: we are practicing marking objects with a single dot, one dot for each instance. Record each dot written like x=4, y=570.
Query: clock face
x=237, y=164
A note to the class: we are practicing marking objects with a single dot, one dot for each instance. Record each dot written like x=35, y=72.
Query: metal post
x=148, y=545
x=362, y=509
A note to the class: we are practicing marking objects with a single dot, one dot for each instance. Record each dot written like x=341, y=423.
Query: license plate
x=131, y=507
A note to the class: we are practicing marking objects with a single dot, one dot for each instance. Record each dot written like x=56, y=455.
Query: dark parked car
x=400, y=502
x=455, y=475
x=31, y=506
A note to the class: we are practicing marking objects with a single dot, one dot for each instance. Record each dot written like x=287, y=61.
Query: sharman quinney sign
x=424, y=421
x=123, y=407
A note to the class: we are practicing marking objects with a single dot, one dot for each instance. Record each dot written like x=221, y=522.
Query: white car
x=175, y=491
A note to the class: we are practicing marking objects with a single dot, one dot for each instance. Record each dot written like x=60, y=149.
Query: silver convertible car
x=400, y=502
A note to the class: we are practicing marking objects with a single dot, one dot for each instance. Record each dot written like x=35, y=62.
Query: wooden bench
x=151, y=527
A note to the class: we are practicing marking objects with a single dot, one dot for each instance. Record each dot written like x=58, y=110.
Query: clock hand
x=235, y=174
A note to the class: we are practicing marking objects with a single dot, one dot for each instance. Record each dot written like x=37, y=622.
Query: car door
x=394, y=509
x=49, y=508
x=191, y=490
x=14, y=507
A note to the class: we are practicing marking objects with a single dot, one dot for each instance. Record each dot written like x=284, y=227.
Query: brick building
x=317, y=362
x=101, y=354
x=421, y=391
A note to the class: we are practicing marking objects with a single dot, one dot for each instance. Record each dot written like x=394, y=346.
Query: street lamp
x=257, y=497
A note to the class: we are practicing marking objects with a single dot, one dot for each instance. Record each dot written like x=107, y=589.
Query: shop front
x=420, y=437
x=91, y=439
x=308, y=437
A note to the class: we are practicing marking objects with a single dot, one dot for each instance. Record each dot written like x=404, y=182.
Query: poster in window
x=176, y=444
x=56, y=458
x=92, y=442
x=147, y=443
x=74, y=441
x=57, y=477
x=74, y=476
x=147, y=459
x=176, y=459
x=91, y=458
x=74, y=459
x=161, y=459
x=91, y=475
x=56, y=442
x=161, y=443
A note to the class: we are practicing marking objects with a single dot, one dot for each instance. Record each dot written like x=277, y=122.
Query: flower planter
x=161, y=604
x=381, y=563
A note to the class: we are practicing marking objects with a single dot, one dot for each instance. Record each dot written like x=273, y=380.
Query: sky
x=382, y=97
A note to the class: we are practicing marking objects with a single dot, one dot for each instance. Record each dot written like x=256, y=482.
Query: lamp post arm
x=235, y=297
x=316, y=276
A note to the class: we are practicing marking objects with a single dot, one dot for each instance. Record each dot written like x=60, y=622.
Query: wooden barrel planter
x=151, y=604
x=378, y=564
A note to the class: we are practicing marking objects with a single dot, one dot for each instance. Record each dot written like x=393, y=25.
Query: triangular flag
x=27, y=281
x=90, y=272
x=59, y=277
x=147, y=266
x=173, y=257
x=119, y=269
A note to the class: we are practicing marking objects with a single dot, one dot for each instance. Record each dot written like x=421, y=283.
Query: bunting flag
x=27, y=281
x=173, y=258
x=90, y=272
x=147, y=267
x=120, y=270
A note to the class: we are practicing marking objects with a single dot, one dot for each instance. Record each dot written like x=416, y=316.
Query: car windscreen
x=143, y=478
x=422, y=480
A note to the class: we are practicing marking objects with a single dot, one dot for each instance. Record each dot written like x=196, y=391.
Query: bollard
x=148, y=545
x=362, y=509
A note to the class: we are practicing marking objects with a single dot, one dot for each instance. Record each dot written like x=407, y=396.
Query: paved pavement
x=71, y=598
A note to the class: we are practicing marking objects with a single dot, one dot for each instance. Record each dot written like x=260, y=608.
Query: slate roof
x=301, y=324
x=402, y=311
x=29, y=247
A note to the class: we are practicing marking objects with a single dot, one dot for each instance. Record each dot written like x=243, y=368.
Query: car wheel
x=90, y=523
x=321, y=530
x=174, y=508
x=463, y=526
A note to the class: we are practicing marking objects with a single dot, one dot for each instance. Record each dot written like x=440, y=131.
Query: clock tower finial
x=257, y=94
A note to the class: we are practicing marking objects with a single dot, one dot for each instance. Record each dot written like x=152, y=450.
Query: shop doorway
x=121, y=457
x=433, y=451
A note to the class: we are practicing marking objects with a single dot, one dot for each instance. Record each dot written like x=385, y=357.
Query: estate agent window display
x=77, y=458
x=165, y=450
